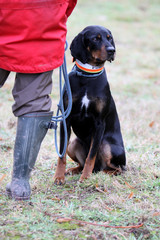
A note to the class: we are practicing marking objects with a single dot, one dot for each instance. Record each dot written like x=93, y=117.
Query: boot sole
x=17, y=198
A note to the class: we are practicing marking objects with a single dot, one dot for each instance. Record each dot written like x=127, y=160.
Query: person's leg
x=31, y=93
x=3, y=76
x=32, y=107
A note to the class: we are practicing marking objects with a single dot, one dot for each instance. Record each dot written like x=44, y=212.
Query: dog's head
x=93, y=45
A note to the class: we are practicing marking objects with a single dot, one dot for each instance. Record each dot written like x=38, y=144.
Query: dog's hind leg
x=78, y=154
x=74, y=170
x=111, y=163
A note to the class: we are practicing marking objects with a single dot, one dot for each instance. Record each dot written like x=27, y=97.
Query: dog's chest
x=85, y=101
x=90, y=103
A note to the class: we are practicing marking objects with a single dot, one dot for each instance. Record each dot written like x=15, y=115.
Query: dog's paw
x=84, y=176
x=73, y=171
x=59, y=180
x=115, y=171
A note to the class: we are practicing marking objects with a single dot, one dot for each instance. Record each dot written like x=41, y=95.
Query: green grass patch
x=129, y=199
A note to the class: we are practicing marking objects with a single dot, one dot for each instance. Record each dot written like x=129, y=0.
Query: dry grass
x=129, y=199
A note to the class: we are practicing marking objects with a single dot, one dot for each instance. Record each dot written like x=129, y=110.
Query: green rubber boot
x=31, y=130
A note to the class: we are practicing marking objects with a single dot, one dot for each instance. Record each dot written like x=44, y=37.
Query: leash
x=61, y=114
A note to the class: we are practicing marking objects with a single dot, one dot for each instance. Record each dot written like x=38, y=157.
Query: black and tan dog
x=98, y=144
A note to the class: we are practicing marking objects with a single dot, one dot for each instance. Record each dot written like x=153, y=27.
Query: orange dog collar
x=88, y=68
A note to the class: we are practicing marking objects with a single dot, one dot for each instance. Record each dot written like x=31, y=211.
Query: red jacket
x=33, y=34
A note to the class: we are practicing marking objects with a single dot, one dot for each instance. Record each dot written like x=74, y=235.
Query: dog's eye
x=97, y=38
x=108, y=37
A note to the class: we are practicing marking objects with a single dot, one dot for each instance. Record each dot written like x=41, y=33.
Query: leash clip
x=52, y=125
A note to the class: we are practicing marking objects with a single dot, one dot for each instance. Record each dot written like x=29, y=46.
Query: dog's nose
x=111, y=50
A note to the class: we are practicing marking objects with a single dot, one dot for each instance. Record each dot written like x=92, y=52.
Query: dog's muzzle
x=110, y=53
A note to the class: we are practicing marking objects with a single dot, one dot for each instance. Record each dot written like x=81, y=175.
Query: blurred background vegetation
x=129, y=199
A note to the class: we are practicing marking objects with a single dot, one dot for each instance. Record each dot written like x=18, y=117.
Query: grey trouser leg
x=3, y=76
x=31, y=93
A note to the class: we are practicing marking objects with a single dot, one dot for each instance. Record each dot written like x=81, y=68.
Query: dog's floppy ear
x=78, y=49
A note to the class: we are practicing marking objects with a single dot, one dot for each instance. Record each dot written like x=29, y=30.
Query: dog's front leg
x=89, y=163
x=94, y=147
x=59, y=176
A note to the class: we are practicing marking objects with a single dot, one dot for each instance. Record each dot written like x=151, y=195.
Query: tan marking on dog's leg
x=107, y=156
x=59, y=176
x=76, y=152
x=88, y=168
x=89, y=165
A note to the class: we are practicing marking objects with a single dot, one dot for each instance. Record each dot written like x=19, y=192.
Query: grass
x=129, y=199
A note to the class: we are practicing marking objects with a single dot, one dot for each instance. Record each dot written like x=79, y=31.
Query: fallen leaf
x=156, y=214
x=3, y=176
x=99, y=190
x=63, y=220
x=151, y=124
x=55, y=199
x=108, y=208
x=128, y=185
x=130, y=195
